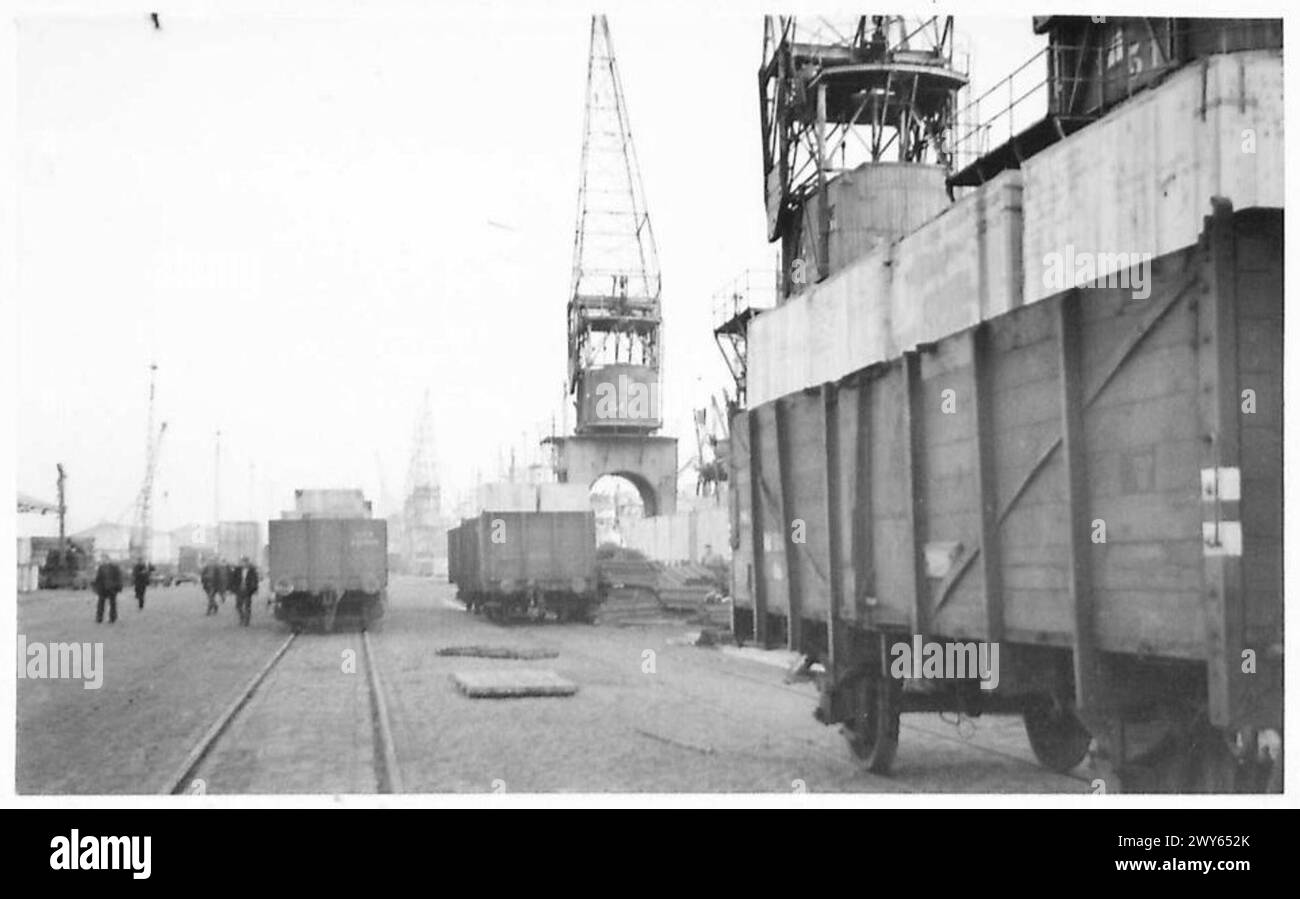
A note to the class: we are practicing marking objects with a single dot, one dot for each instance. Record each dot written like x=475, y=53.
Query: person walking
x=213, y=579
x=245, y=589
x=140, y=580
x=107, y=584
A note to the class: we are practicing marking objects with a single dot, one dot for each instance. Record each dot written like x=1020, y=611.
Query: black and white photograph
x=421, y=403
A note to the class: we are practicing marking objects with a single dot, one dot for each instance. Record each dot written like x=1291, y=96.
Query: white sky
x=291, y=216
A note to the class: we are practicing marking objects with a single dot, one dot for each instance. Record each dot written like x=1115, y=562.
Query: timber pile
x=512, y=683
x=498, y=652
x=639, y=591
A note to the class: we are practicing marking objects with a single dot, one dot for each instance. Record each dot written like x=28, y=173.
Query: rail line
x=387, y=773
x=183, y=779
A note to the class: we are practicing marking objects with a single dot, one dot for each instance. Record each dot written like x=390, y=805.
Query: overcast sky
x=307, y=222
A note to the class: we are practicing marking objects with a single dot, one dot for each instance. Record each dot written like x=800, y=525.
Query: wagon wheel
x=1056, y=735
x=873, y=734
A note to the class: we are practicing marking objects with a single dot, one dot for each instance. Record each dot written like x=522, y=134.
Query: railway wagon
x=320, y=568
x=509, y=564
x=1090, y=484
x=72, y=568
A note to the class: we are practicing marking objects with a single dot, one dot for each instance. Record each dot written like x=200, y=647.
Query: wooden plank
x=831, y=442
x=1224, y=600
x=756, y=529
x=804, y=447
x=510, y=683
x=864, y=562
x=793, y=581
x=986, y=485
x=913, y=477
x=481, y=651
x=1087, y=674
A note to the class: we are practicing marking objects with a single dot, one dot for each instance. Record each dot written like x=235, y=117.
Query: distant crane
x=63, y=509
x=422, y=505
x=144, y=501
x=422, y=475
x=710, y=474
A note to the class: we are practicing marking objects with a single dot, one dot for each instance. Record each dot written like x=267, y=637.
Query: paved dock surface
x=652, y=713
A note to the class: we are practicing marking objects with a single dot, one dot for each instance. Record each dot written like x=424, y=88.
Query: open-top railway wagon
x=1092, y=483
x=511, y=564
x=321, y=568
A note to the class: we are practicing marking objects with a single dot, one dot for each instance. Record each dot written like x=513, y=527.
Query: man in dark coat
x=140, y=580
x=107, y=584
x=213, y=579
x=245, y=587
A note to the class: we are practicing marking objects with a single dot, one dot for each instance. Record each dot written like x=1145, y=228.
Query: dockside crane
x=144, y=500
x=63, y=509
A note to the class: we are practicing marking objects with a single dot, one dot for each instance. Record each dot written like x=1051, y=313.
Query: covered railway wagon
x=323, y=567
x=519, y=563
x=1092, y=483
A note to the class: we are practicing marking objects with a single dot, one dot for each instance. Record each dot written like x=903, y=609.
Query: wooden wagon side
x=1092, y=482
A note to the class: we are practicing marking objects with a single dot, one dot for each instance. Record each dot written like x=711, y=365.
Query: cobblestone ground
x=652, y=714
x=169, y=670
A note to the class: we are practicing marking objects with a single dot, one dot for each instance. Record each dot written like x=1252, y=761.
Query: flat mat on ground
x=511, y=683
x=498, y=652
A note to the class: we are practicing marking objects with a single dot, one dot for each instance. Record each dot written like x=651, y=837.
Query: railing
x=1030, y=92
x=834, y=33
x=977, y=134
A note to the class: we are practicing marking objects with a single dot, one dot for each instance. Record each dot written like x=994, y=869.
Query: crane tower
x=422, y=535
x=857, y=112
x=144, y=500
x=614, y=312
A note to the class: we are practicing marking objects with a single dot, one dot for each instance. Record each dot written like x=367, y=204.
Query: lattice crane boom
x=614, y=316
x=144, y=500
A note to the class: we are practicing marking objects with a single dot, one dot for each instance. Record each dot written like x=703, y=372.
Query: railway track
x=189, y=777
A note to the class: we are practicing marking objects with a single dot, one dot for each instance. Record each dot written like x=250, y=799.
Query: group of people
x=108, y=583
x=217, y=579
